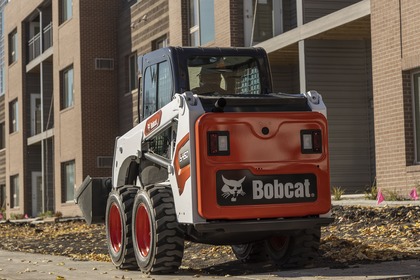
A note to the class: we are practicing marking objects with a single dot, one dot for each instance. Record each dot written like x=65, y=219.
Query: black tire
x=298, y=250
x=157, y=238
x=250, y=252
x=118, y=227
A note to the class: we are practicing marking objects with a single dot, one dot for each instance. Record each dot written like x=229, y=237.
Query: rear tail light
x=218, y=143
x=311, y=141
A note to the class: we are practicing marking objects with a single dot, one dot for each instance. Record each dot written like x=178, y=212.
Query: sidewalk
x=359, y=200
x=17, y=266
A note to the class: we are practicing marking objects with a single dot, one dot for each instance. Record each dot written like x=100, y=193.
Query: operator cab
x=237, y=74
x=205, y=71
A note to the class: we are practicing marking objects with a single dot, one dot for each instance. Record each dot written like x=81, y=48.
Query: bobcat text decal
x=241, y=187
x=280, y=190
x=153, y=122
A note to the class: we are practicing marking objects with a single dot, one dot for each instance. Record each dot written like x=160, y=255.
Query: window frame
x=3, y=197
x=2, y=77
x=133, y=83
x=67, y=191
x=65, y=13
x=251, y=26
x=160, y=42
x=2, y=135
x=13, y=46
x=415, y=123
x=14, y=191
x=66, y=94
x=157, y=93
x=14, y=116
x=195, y=22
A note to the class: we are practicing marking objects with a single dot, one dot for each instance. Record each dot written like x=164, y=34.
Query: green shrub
x=371, y=192
x=393, y=195
x=337, y=192
x=47, y=214
x=17, y=216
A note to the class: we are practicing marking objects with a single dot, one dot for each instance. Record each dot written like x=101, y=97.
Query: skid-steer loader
x=217, y=158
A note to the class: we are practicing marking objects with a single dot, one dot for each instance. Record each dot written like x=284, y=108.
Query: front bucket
x=92, y=196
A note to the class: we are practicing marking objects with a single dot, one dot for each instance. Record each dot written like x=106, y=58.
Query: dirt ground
x=359, y=235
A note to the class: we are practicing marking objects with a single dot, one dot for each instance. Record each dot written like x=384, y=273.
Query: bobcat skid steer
x=217, y=158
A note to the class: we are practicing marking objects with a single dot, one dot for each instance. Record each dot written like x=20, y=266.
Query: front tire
x=118, y=227
x=157, y=238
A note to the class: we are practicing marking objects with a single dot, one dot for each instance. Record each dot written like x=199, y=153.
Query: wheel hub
x=143, y=234
x=115, y=227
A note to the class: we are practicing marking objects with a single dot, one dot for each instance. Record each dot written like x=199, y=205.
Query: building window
x=67, y=89
x=201, y=22
x=67, y=178
x=416, y=97
x=14, y=191
x=2, y=78
x=2, y=198
x=13, y=47
x=263, y=19
x=35, y=114
x=66, y=10
x=14, y=116
x=1, y=23
x=2, y=136
x=159, y=43
x=132, y=72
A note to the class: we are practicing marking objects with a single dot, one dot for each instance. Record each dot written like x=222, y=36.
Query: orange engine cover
x=265, y=173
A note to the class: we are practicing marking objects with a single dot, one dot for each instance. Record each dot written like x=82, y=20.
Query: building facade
x=71, y=83
x=60, y=97
x=2, y=116
x=396, y=91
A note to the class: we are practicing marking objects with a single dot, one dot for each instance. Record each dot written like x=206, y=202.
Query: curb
x=359, y=200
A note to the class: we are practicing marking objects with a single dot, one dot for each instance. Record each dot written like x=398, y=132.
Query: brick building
x=60, y=98
x=71, y=82
x=2, y=117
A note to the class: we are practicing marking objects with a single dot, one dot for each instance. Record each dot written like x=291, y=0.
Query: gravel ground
x=359, y=235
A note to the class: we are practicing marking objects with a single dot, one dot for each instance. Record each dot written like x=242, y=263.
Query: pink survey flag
x=413, y=194
x=380, y=197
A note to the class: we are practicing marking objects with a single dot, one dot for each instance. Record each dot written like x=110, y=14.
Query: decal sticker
x=241, y=187
x=182, y=162
x=153, y=122
x=232, y=189
x=184, y=155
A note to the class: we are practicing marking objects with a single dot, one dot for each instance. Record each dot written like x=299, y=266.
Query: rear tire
x=157, y=238
x=250, y=252
x=118, y=227
x=298, y=250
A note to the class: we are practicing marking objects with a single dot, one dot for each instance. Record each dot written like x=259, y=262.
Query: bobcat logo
x=232, y=188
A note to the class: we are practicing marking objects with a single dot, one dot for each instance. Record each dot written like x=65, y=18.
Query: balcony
x=40, y=42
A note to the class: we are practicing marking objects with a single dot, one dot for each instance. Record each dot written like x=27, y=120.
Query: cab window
x=157, y=89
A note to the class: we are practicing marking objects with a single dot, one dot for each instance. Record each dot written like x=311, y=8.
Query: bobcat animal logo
x=232, y=188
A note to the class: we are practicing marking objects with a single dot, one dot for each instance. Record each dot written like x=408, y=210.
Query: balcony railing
x=48, y=36
x=34, y=43
x=34, y=46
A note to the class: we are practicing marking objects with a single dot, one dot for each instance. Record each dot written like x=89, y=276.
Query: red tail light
x=218, y=143
x=311, y=141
